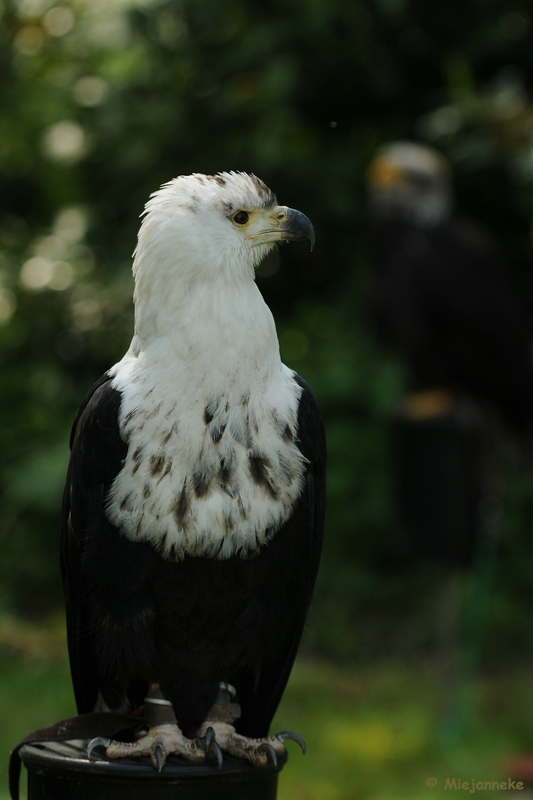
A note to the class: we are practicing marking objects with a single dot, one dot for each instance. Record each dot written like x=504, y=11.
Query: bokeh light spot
x=65, y=141
x=29, y=40
x=58, y=21
x=90, y=90
x=70, y=224
x=62, y=276
x=35, y=273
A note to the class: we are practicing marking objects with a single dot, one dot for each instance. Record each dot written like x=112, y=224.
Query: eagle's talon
x=284, y=735
x=209, y=736
x=215, y=747
x=99, y=741
x=159, y=757
x=208, y=742
x=269, y=751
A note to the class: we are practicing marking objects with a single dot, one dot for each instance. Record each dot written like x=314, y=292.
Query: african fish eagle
x=441, y=297
x=194, y=504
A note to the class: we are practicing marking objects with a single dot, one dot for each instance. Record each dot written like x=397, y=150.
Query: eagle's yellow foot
x=256, y=751
x=158, y=743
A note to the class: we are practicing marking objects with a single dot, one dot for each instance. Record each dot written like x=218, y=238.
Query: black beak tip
x=298, y=226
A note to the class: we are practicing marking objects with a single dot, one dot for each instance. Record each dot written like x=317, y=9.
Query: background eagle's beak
x=384, y=173
x=297, y=226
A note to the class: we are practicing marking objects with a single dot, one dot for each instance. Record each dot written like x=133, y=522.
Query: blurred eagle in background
x=440, y=299
x=440, y=295
x=194, y=504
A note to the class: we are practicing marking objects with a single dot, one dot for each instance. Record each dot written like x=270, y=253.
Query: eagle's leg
x=218, y=728
x=163, y=738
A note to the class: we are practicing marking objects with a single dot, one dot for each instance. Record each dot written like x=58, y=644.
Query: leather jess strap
x=84, y=726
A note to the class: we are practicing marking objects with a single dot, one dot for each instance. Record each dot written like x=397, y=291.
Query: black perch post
x=62, y=771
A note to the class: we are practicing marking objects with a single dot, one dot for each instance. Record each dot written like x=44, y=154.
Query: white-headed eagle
x=441, y=297
x=194, y=504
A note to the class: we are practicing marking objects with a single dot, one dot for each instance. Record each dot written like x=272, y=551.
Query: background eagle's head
x=209, y=227
x=410, y=180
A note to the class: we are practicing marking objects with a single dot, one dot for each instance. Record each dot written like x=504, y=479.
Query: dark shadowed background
x=101, y=101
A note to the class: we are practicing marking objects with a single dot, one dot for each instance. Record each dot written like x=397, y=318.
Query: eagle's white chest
x=212, y=467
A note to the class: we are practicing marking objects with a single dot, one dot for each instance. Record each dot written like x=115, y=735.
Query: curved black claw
x=294, y=737
x=269, y=750
x=100, y=741
x=160, y=757
x=209, y=742
x=209, y=736
x=215, y=747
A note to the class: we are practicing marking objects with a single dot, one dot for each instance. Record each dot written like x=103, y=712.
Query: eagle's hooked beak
x=295, y=225
x=282, y=224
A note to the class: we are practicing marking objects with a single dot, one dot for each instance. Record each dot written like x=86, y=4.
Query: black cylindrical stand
x=62, y=771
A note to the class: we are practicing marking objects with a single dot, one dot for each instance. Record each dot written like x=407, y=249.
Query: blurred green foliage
x=104, y=100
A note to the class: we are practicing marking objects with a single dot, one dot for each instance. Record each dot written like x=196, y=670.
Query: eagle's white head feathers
x=209, y=412
x=207, y=229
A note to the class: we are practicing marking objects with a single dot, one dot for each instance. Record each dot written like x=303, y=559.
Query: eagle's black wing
x=296, y=549
x=97, y=456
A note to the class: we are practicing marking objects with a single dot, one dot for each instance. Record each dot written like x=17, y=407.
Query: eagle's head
x=410, y=180
x=204, y=227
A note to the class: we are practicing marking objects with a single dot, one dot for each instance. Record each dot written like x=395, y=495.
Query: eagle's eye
x=241, y=217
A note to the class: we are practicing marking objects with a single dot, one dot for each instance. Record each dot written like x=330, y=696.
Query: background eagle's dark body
x=134, y=617
x=441, y=300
